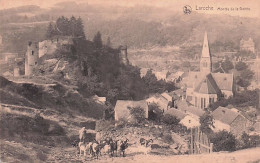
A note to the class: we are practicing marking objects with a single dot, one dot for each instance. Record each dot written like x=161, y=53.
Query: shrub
x=154, y=112
x=138, y=114
x=248, y=141
x=223, y=141
x=206, y=122
x=170, y=120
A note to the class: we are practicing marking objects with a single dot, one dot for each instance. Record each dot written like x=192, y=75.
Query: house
x=185, y=119
x=177, y=95
x=230, y=120
x=159, y=100
x=167, y=97
x=204, y=87
x=122, y=111
x=194, y=112
x=190, y=122
x=247, y=45
x=175, y=113
x=100, y=100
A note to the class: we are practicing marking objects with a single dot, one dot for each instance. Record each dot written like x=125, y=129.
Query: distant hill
x=146, y=26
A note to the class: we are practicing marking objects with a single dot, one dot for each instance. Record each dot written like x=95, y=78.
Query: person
x=98, y=137
x=82, y=134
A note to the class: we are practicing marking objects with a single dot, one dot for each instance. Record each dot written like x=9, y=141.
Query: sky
x=252, y=5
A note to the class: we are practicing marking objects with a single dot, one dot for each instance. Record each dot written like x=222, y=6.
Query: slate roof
x=185, y=107
x=224, y=81
x=207, y=86
x=175, y=112
x=225, y=115
x=221, y=81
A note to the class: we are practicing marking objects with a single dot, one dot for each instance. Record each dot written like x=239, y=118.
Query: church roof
x=205, y=49
x=207, y=86
x=192, y=79
x=224, y=81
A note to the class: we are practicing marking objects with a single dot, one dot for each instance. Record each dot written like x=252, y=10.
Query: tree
x=79, y=31
x=206, y=121
x=108, y=44
x=170, y=120
x=223, y=141
x=138, y=114
x=50, y=31
x=154, y=112
x=245, y=77
x=241, y=66
x=73, y=26
x=97, y=40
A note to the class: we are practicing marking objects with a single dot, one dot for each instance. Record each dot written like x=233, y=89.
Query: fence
x=200, y=142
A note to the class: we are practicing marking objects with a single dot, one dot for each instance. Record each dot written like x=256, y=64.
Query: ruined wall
x=31, y=57
x=123, y=55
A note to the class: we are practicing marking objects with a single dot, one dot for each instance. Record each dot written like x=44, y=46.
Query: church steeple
x=205, y=60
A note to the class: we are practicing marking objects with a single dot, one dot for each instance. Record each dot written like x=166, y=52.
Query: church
x=205, y=87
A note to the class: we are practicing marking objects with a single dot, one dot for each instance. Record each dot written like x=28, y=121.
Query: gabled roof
x=185, y=107
x=207, y=86
x=167, y=96
x=225, y=115
x=224, y=81
x=176, y=113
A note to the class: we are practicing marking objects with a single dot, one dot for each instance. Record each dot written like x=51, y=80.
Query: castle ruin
x=31, y=57
x=123, y=55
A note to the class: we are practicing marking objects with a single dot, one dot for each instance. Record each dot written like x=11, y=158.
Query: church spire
x=205, y=60
x=205, y=49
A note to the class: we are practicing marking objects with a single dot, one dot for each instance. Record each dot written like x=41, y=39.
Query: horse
x=123, y=146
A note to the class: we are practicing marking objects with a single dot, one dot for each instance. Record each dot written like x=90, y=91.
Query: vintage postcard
x=137, y=81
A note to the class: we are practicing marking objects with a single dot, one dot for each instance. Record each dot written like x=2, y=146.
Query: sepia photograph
x=129, y=81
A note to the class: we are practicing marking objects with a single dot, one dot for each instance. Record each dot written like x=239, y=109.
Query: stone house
x=229, y=120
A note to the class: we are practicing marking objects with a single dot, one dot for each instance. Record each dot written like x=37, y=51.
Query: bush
x=248, y=141
x=138, y=114
x=170, y=120
x=154, y=113
x=206, y=122
x=241, y=66
x=223, y=141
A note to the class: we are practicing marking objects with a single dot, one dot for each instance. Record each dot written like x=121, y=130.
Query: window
x=201, y=103
x=196, y=101
x=189, y=121
x=35, y=63
x=211, y=100
x=204, y=103
x=32, y=52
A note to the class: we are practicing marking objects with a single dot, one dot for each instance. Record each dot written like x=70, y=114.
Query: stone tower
x=31, y=57
x=123, y=55
x=205, y=60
